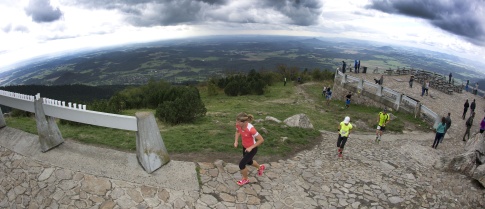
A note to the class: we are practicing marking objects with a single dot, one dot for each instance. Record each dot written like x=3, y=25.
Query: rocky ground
x=395, y=173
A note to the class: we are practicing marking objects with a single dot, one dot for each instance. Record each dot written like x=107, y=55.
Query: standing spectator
x=329, y=95
x=468, y=125
x=449, y=80
x=381, y=80
x=355, y=66
x=482, y=125
x=411, y=80
x=426, y=86
x=476, y=88
x=448, y=125
x=466, y=87
x=344, y=65
x=358, y=66
x=472, y=107
x=382, y=119
x=250, y=139
x=347, y=99
x=343, y=134
x=465, y=108
x=324, y=92
x=440, y=132
x=284, y=82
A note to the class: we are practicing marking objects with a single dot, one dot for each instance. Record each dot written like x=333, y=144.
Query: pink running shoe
x=261, y=170
x=242, y=182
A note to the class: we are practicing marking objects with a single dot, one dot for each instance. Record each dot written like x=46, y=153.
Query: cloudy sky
x=36, y=27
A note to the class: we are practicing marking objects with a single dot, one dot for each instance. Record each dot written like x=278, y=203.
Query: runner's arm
x=236, y=137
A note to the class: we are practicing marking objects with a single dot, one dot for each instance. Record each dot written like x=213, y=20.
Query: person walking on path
x=411, y=80
x=448, y=125
x=251, y=139
x=324, y=92
x=482, y=125
x=382, y=119
x=329, y=95
x=465, y=108
x=344, y=129
x=347, y=99
x=440, y=132
x=468, y=125
x=423, y=88
x=449, y=76
x=472, y=107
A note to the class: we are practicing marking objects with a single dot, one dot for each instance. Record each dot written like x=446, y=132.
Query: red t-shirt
x=248, y=135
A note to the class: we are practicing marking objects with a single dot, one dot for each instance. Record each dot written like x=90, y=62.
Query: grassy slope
x=215, y=132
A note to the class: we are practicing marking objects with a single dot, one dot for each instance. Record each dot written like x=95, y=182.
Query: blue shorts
x=347, y=102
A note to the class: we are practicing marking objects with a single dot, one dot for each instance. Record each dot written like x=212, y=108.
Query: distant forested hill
x=69, y=93
x=199, y=59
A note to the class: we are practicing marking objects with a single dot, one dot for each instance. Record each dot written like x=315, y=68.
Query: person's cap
x=347, y=119
x=385, y=109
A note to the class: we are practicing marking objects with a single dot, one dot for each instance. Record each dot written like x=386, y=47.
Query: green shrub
x=185, y=108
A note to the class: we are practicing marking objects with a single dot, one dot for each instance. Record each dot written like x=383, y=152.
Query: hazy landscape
x=197, y=59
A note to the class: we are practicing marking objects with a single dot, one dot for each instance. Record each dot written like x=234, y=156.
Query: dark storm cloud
x=173, y=12
x=42, y=11
x=464, y=18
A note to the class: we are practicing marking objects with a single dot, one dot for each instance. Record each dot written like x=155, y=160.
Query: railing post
x=360, y=85
x=49, y=134
x=379, y=90
x=150, y=149
x=417, y=110
x=2, y=119
x=344, y=80
x=398, y=101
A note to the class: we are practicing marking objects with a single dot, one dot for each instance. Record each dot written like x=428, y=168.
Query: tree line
x=173, y=104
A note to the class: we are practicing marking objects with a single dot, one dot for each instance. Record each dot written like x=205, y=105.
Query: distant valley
x=195, y=60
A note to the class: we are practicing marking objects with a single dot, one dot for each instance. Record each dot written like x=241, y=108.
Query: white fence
x=150, y=149
x=396, y=98
x=72, y=112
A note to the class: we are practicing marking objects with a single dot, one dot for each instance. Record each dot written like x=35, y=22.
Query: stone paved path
x=397, y=173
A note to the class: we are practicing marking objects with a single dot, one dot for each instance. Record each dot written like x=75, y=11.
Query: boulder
x=299, y=120
x=269, y=118
x=471, y=162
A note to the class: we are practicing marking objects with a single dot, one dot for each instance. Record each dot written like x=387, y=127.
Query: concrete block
x=2, y=119
x=49, y=134
x=150, y=149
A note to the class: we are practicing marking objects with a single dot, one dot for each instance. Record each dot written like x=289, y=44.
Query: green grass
x=215, y=132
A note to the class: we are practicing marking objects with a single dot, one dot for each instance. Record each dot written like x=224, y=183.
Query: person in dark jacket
x=465, y=108
x=468, y=124
x=472, y=107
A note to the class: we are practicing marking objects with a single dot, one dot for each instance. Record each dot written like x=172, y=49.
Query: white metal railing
x=72, y=112
x=409, y=101
x=387, y=92
x=353, y=79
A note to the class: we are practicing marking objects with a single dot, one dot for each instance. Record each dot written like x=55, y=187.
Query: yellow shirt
x=345, y=129
x=383, y=118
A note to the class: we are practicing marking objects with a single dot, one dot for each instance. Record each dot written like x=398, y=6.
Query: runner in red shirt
x=251, y=139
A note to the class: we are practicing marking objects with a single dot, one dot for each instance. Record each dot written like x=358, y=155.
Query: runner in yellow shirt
x=344, y=132
x=382, y=120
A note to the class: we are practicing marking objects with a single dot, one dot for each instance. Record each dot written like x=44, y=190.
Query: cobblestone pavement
x=396, y=173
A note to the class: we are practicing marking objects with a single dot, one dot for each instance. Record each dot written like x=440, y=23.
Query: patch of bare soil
x=211, y=157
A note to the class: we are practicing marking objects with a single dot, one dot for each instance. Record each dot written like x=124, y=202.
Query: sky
x=30, y=28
